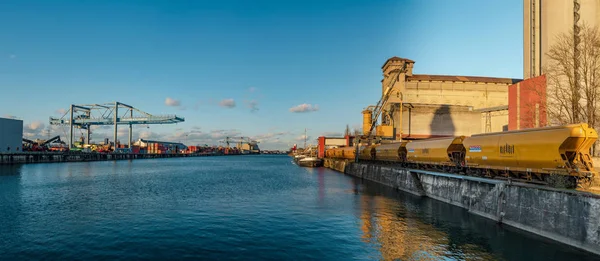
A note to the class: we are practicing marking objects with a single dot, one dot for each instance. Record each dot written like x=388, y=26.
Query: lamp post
x=401, y=97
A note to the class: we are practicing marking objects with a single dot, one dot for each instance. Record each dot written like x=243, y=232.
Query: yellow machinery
x=372, y=113
x=386, y=131
x=561, y=150
x=442, y=151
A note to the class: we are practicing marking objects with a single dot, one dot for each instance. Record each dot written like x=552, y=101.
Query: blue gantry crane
x=116, y=113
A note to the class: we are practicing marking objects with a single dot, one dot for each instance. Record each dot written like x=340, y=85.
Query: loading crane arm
x=379, y=108
x=53, y=139
x=29, y=141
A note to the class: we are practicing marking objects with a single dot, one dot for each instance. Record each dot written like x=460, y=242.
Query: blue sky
x=264, y=55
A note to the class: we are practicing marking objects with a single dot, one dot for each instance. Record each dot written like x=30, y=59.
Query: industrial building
x=544, y=20
x=420, y=106
x=11, y=135
x=424, y=106
x=325, y=143
x=159, y=147
x=527, y=104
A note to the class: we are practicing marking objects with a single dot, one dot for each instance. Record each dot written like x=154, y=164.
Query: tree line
x=573, y=77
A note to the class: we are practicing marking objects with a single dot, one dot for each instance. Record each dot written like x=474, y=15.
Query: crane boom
x=378, y=109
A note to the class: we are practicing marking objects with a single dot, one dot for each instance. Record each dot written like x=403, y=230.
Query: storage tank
x=367, y=116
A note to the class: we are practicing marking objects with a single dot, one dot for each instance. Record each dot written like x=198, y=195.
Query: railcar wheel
x=585, y=183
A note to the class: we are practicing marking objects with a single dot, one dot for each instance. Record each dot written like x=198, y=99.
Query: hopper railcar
x=557, y=156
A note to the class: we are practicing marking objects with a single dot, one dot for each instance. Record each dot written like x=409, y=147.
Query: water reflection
x=11, y=170
x=219, y=208
x=407, y=227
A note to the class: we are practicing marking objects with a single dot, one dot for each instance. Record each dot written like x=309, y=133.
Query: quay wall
x=50, y=157
x=567, y=216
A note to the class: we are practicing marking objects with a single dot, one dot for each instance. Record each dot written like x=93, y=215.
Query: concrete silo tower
x=544, y=20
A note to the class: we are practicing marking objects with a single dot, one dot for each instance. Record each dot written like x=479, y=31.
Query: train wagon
x=439, y=151
x=342, y=153
x=329, y=153
x=393, y=152
x=534, y=153
x=337, y=153
x=367, y=152
x=348, y=152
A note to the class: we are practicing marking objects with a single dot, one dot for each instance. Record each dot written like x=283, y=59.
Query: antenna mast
x=304, y=138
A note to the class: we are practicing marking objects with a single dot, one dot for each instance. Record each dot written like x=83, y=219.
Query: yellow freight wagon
x=561, y=150
x=367, y=152
x=390, y=151
x=441, y=151
x=348, y=152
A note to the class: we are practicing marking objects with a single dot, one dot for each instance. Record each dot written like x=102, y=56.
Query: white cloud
x=148, y=135
x=172, y=102
x=229, y=103
x=34, y=129
x=252, y=105
x=36, y=125
x=251, y=89
x=304, y=108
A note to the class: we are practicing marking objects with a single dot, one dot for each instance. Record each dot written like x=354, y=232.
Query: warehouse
x=11, y=135
x=159, y=147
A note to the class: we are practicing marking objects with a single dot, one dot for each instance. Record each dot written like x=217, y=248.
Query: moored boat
x=310, y=162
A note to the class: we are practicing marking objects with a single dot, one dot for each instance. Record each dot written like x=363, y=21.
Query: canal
x=259, y=207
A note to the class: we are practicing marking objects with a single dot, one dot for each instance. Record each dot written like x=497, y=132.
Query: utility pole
x=304, y=139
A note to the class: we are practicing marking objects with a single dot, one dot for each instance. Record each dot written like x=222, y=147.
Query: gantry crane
x=253, y=145
x=116, y=113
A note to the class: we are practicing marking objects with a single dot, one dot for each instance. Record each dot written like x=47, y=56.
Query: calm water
x=245, y=207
